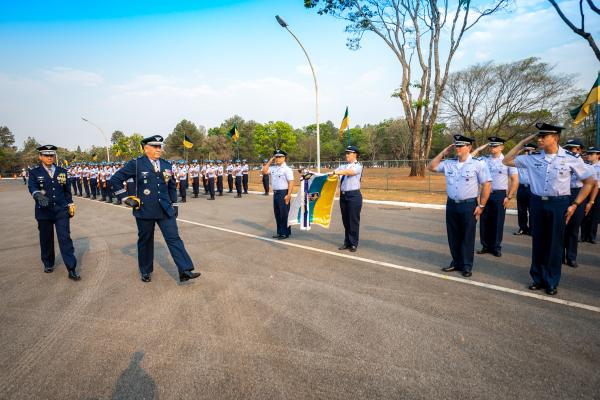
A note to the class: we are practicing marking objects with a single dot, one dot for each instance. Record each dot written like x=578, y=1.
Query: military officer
x=505, y=182
x=265, y=178
x=78, y=181
x=211, y=173
x=237, y=171
x=350, y=197
x=464, y=175
x=182, y=175
x=86, y=183
x=523, y=195
x=551, y=207
x=589, y=226
x=24, y=176
x=93, y=178
x=156, y=205
x=245, y=170
x=195, y=174
x=220, y=177
x=282, y=177
x=229, y=170
x=204, y=177
x=108, y=172
x=53, y=209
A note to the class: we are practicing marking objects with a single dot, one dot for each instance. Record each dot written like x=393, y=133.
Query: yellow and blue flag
x=314, y=202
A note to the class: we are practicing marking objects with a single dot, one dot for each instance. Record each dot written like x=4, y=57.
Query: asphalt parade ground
x=293, y=319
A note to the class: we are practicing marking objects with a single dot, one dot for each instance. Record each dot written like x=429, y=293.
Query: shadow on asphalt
x=135, y=382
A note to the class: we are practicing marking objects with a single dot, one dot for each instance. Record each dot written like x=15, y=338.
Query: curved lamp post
x=103, y=135
x=285, y=25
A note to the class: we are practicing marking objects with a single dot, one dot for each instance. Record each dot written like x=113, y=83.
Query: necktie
x=156, y=167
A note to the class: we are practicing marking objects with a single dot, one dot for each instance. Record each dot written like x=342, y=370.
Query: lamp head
x=281, y=21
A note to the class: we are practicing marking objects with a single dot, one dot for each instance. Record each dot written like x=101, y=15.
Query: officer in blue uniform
x=237, y=170
x=551, y=206
x=53, y=208
x=350, y=197
x=265, y=179
x=282, y=177
x=464, y=175
x=245, y=170
x=155, y=203
x=589, y=226
x=220, y=172
x=229, y=171
x=505, y=181
x=523, y=196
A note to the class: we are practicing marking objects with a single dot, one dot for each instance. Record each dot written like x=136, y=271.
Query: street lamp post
x=103, y=135
x=285, y=25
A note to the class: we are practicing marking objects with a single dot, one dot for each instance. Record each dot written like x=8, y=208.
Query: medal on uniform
x=146, y=192
x=167, y=175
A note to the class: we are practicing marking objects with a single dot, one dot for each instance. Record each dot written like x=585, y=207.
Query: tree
x=273, y=135
x=7, y=139
x=174, y=142
x=489, y=99
x=580, y=31
x=116, y=135
x=128, y=147
x=413, y=29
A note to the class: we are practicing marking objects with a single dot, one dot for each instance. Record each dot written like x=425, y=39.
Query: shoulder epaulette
x=572, y=154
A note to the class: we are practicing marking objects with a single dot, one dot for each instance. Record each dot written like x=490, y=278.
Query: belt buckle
x=343, y=192
x=545, y=198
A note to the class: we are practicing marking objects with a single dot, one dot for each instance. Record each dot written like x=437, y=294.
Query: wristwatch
x=481, y=205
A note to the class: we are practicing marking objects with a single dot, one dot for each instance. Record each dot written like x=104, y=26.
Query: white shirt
x=280, y=176
x=350, y=182
x=463, y=183
x=499, y=172
x=552, y=178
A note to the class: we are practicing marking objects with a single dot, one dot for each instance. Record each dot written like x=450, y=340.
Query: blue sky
x=142, y=66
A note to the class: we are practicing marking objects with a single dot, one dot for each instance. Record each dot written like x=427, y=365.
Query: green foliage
x=127, y=147
x=273, y=135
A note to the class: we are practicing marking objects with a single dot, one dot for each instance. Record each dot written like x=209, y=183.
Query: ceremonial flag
x=345, y=123
x=94, y=157
x=233, y=133
x=314, y=202
x=187, y=142
x=593, y=97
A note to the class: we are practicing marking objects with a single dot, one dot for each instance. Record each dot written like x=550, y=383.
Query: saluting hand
x=446, y=151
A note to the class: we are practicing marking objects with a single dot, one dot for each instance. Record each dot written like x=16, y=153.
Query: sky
x=144, y=65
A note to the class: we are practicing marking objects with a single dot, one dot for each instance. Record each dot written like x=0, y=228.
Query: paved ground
x=272, y=321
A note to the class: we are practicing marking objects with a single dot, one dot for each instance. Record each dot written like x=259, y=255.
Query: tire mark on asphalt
x=33, y=354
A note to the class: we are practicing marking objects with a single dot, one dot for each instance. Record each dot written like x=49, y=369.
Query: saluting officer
x=464, y=175
x=589, y=226
x=282, y=177
x=523, y=195
x=551, y=207
x=350, y=197
x=229, y=170
x=491, y=225
x=265, y=179
x=220, y=177
x=53, y=207
x=245, y=170
x=156, y=204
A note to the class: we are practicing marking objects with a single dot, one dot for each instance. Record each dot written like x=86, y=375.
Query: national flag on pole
x=345, y=123
x=187, y=142
x=234, y=133
x=593, y=97
x=314, y=202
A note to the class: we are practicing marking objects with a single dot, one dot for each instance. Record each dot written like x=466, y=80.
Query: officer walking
x=230, y=176
x=491, y=225
x=265, y=179
x=350, y=197
x=283, y=185
x=589, y=226
x=53, y=208
x=220, y=177
x=523, y=195
x=155, y=203
x=551, y=207
x=245, y=170
x=464, y=175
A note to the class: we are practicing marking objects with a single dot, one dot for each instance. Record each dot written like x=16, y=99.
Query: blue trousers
x=79, y=187
x=74, y=186
x=196, y=185
x=86, y=187
x=281, y=212
x=491, y=225
x=572, y=228
x=94, y=186
x=460, y=227
x=63, y=232
x=350, y=207
x=245, y=183
x=145, y=244
x=523, y=208
x=220, y=184
x=589, y=226
x=265, y=182
x=230, y=182
x=211, y=187
x=238, y=184
x=548, y=219
x=183, y=185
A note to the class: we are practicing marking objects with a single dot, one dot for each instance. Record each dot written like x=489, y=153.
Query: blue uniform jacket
x=157, y=190
x=55, y=188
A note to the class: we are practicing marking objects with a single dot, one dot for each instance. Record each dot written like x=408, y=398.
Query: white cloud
x=71, y=76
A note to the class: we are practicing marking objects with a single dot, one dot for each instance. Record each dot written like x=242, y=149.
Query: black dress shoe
x=344, y=247
x=483, y=251
x=183, y=200
x=449, y=268
x=276, y=236
x=146, y=278
x=467, y=274
x=210, y=198
x=572, y=264
x=520, y=232
x=74, y=275
x=536, y=286
x=282, y=237
x=48, y=270
x=353, y=249
x=551, y=291
x=187, y=275
x=497, y=253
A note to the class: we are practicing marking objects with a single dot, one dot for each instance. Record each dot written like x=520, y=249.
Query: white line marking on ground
x=395, y=266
